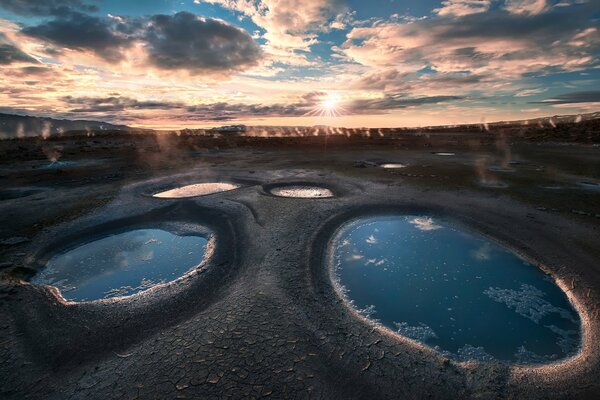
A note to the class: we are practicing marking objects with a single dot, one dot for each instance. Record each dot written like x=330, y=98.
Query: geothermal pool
x=197, y=189
x=122, y=264
x=302, y=192
x=460, y=293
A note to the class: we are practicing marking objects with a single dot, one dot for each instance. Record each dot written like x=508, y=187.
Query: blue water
x=122, y=264
x=453, y=290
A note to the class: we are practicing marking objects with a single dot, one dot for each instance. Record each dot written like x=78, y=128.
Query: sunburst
x=329, y=106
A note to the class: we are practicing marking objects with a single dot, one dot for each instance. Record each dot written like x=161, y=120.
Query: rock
x=4, y=265
x=14, y=241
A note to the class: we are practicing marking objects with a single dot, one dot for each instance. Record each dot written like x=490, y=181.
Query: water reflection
x=460, y=293
x=122, y=264
x=197, y=189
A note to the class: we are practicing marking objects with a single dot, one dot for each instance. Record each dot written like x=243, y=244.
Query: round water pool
x=458, y=292
x=302, y=192
x=197, y=189
x=122, y=264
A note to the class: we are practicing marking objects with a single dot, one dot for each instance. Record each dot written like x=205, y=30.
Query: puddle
x=589, y=185
x=499, y=168
x=453, y=290
x=197, y=189
x=552, y=187
x=444, y=154
x=302, y=192
x=122, y=264
x=393, y=165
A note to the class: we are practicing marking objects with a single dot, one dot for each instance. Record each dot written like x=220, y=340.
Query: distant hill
x=13, y=126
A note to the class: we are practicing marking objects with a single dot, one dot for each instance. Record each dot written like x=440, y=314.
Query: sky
x=171, y=64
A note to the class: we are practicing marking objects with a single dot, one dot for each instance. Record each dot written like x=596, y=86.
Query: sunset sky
x=377, y=63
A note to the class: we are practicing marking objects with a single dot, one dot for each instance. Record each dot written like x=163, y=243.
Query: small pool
x=197, y=189
x=590, y=185
x=302, y=192
x=392, y=165
x=122, y=264
x=458, y=292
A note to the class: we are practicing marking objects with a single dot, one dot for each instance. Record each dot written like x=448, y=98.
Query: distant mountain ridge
x=16, y=126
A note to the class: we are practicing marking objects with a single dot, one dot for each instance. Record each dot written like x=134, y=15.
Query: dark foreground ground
x=261, y=319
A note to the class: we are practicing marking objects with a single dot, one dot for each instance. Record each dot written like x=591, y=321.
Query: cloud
x=182, y=41
x=529, y=92
x=45, y=7
x=83, y=32
x=592, y=96
x=483, y=253
x=395, y=102
x=186, y=41
x=497, y=43
x=10, y=54
x=290, y=25
x=526, y=7
x=463, y=7
x=220, y=111
x=116, y=103
x=425, y=224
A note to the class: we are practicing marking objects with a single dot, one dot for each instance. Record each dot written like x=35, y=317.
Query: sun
x=328, y=106
x=330, y=103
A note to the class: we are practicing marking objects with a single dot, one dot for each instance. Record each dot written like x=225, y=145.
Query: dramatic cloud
x=289, y=25
x=186, y=41
x=45, y=7
x=493, y=42
x=182, y=41
x=83, y=32
x=10, y=54
x=575, y=97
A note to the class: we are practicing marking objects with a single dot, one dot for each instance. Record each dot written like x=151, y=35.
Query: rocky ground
x=260, y=318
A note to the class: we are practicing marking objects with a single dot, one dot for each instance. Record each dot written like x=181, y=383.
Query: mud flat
x=260, y=315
